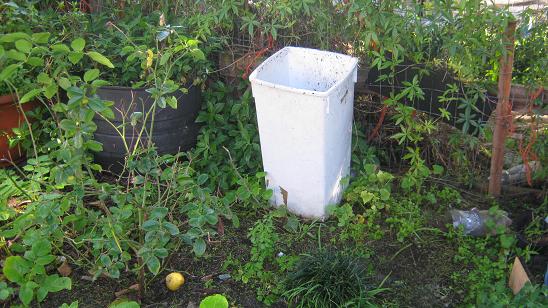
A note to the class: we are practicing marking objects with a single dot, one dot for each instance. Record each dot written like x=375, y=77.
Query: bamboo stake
x=503, y=111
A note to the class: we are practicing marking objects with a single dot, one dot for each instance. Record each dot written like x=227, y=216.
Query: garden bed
x=188, y=198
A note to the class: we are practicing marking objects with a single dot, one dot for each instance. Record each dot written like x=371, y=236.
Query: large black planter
x=174, y=130
x=433, y=86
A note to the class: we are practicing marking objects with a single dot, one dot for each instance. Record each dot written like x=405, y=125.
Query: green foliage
x=149, y=54
x=214, y=301
x=29, y=271
x=330, y=279
x=499, y=295
x=229, y=134
x=484, y=260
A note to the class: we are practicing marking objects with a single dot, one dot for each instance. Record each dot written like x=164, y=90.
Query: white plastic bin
x=304, y=100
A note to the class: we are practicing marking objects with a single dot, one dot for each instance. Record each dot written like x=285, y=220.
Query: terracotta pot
x=11, y=117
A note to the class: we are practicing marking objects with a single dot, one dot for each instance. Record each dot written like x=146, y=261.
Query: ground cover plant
x=74, y=235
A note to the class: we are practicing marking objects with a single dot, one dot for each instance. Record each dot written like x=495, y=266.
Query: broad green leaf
x=68, y=125
x=15, y=267
x=94, y=145
x=23, y=45
x=172, y=102
x=41, y=247
x=202, y=178
x=54, y=283
x=197, y=54
x=153, y=264
x=385, y=194
x=214, y=301
x=51, y=90
x=16, y=55
x=366, y=196
x=7, y=72
x=135, y=116
x=171, y=228
x=44, y=260
x=64, y=83
x=124, y=304
x=12, y=37
x=41, y=37
x=75, y=57
x=91, y=75
x=165, y=57
x=78, y=44
x=30, y=95
x=35, y=61
x=199, y=246
x=150, y=225
x=60, y=48
x=99, y=58
x=26, y=293
x=158, y=213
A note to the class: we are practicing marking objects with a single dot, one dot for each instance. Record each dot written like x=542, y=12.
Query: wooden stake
x=503, y=111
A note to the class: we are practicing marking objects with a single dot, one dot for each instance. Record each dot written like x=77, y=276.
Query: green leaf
x=23, y=45
x=199, y=247
x=385, y=194
x=91, y=75
x=60, y=48
x=197, y=54
x=165, y=57
x=51, y=90
x=135, y=116
x=44, y=260
x=35, y=61
x=150, y=225
x=99, y=58
x=171, y=228
x=78, y=44
x=202, y=178
x=15, y=268
x=124, y=304
x=8, y=71
x=16, y=55
x=26, y=293
x=153, y=264
x=172, y=102
x=41, y=247
x=64, y=83
x=54, y=283
x=214, y=301
x=68, y=125
x=41, y=37
x=12, y=37
x=366, y=196
x=94, y=145
x=75, y=57
x=30, y=95
x=158, y=213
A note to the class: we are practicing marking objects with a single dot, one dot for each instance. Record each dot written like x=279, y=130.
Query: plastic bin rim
x=253, y=77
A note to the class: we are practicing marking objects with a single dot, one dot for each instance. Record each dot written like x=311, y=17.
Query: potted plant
x=18, y=65
x=155, y=88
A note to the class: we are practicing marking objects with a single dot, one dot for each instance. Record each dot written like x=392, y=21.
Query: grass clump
x=330, y=279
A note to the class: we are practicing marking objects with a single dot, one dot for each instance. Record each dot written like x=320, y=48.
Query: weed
x=330, y=279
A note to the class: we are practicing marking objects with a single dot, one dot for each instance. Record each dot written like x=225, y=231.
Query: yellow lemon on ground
x=174, y=281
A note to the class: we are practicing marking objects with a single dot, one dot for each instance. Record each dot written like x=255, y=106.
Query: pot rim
x=126, y=88
x=7, y=99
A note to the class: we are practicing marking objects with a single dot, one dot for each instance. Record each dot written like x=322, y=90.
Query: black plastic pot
x=174, y=130
x=433, y=86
